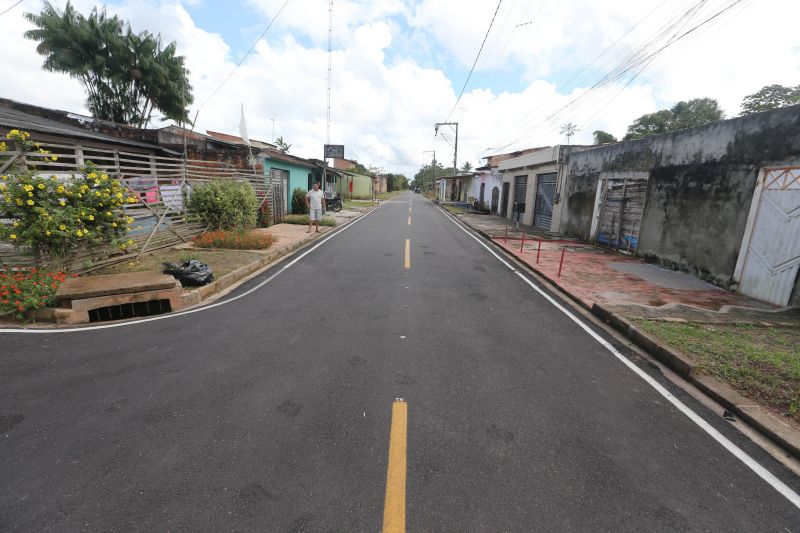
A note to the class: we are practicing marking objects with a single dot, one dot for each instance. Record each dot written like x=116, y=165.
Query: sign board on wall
x=334, y=150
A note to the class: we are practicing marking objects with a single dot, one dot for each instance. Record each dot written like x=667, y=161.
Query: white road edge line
x=197, y=309
x=740, y=454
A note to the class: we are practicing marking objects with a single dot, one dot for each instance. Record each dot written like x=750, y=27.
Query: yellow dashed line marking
x=394, y=506
x=407, y=262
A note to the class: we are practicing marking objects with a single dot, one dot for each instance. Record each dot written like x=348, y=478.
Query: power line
x=10, y=8
x=476, y=61
x=239, y=64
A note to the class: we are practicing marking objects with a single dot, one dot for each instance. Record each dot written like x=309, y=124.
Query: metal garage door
x=545, y=194
x=520, y=189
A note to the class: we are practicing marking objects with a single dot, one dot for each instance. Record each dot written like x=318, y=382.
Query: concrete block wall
x=701, y=182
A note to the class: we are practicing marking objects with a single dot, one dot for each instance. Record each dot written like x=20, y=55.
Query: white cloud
x=389, y=87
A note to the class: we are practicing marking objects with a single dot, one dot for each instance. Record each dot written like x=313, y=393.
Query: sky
x=398, y=67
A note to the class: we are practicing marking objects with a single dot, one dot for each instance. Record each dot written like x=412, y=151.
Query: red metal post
x=538, y=251
x=522, y=243
x=561, y=264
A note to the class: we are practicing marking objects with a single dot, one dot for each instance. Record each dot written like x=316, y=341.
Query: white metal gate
x=771, y=246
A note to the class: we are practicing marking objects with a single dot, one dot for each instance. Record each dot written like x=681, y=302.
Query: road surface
x=273, y=412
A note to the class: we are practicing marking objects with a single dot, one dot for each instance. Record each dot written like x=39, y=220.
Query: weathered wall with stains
x=700, y=186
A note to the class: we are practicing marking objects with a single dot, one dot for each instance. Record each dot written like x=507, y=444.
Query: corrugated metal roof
x=12, y=118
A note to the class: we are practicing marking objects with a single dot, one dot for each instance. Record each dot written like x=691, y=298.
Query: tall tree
x=127, y=75
x=684, y=114
x=603, y=137
x=770, y=97
x=569, y=129
x=466, y=167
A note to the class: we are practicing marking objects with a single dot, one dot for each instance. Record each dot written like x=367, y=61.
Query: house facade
x=533, y=184
x=288, y=172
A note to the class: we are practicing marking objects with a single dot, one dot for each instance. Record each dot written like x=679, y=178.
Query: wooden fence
x=162, y=184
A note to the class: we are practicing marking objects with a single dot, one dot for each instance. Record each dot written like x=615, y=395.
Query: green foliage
x=770, y=97
x=299, y=200
x=427, y=174
x=603, y=137
x=126, y=75
x=56, y=217
x=688, y=114
x=225, y=204
x=303, y=219
x=396, y=182
x=466, y=167
x=282, y=145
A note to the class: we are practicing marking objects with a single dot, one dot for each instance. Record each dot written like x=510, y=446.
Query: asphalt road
x=273, y=412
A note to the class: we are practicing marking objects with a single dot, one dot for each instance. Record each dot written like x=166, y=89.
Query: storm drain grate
x=122, y=311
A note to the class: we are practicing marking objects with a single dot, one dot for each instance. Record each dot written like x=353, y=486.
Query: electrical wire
x=239, y=64
x=489, y=29
x=10, y=8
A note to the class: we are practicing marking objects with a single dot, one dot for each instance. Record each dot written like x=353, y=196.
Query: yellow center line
x=407, y=262
x=394, y=506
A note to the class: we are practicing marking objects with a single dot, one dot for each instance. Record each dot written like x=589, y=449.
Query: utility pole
x=273, y=129
x=455, y=153
x=330, y=60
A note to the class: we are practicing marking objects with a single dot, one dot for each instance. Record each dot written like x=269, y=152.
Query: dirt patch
x=221, y=262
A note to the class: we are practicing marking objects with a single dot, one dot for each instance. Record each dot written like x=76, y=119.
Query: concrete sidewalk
x=619, y=283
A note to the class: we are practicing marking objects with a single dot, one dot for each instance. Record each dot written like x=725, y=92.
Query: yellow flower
x=2, y=186
x=104, y=177
x=5, y=177
x=30, y=194
x=60, y=189
x=54, y=178
x=13, y=236
x=114, y=224
x=48, y=233
x=79, y=233
x=18, y=201
x=40, y=186
x=15, y=224
x=62, y=202
x=30, y=202
x=62, y=227
x=91, y=217
x=109, y=213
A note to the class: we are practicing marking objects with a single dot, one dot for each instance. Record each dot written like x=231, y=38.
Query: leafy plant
x=303, y=219
x=126, y=75
x=55, y=217
x=282, y=145
x=770, y=97
x=688, y=114
x=236, y=240
x=299, y=200
x=22, y=291
x=225, y=204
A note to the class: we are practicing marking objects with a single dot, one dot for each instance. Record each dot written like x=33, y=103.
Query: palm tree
x=466, y=167
x=569, y=129
x=126, y=75
x=282, y=145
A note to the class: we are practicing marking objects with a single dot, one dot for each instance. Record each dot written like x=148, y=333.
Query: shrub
x=225, y=204
x=22, y=291
x=56, y=217
x=299, y=200
x=236, y=240
x=303, y=219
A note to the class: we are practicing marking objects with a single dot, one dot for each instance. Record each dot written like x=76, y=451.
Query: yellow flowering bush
x=56, y=217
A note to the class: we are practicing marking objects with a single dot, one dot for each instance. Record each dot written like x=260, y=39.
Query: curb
x=784, y=435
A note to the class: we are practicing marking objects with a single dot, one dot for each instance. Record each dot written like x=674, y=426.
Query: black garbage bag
x=191, y=273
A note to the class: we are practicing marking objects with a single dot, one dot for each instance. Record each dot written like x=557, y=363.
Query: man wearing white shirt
x=315, y=201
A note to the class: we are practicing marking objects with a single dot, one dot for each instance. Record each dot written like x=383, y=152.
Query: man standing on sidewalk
x=315, y=201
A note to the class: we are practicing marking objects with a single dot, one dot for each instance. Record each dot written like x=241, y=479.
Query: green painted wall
x=362, y=186
x=298, y=177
